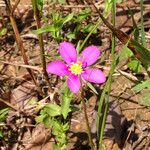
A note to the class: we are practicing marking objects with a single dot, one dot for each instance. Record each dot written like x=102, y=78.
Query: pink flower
x=75, y=68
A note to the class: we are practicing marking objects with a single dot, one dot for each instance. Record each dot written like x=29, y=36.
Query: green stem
x=142, y=25
x=88, y=36
x=103, y=123
x=99, y=22
x=41, y=44
x=107, y=86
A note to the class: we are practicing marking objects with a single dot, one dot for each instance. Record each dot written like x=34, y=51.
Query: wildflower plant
x=77, y=69
x=69, y=24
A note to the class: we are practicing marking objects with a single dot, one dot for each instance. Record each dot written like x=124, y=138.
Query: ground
x=128, y=122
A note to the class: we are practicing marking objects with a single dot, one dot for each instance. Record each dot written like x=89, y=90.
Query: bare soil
x=128, y=122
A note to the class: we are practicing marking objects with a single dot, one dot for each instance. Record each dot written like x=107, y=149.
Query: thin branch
x=21, y=65
x=15, y=6
x=87, y=121
x=8, y=104
x=20, y=43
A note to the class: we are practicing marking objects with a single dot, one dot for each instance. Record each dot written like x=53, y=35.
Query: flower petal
x=73, y=83
x=57, y=67
x=94, y=75
x=89, y=55
x=68, y=52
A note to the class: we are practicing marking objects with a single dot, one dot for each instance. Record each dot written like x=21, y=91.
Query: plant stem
x=99, y=22
x=15, y=6
x=8, y=104
x=142, y=25
x=41, y=44
x=140, y=52
x=87, y=121
x=88, y=36
x=20, y=43
x=108, y=84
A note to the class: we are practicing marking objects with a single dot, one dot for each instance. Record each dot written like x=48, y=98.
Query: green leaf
x=82, y=15
x=62, y=1
x=52, y=1
x=68, y=18
x=63, y=88
x=88, y=28
x=58, y=25
x=49, y=28
x=71, y=36
x=3, y=31
x=56, y=35
x=48, y=122
x=75, y=109
x=146, y=99
x=3, y=114
x=125, y=53
x=57, y=125
x=144, y=55
x=52, y=110
x=65, y=127
x=92, y=87
x=108, y=6
x=59, y=130
x=78, y=46
x=40, y=118
x=135, y=27
x=1, y=134
x=39, y=5
x=139, y=87
x=65, y=102
x=77, y=29
x=65, y=106
x=56, y=17
x=59, y=147
x=135, y=66
x=56, y=147
x=119, y=1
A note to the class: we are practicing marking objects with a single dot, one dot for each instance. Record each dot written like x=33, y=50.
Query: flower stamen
x=76, y=68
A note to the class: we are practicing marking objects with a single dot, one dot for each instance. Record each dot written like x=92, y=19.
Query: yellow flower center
x=76, y=68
